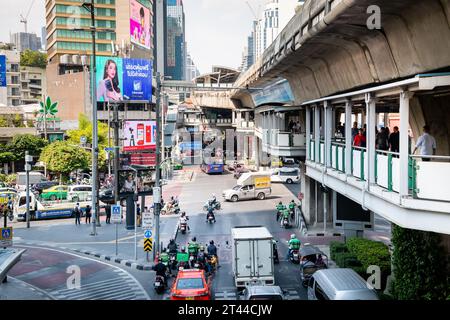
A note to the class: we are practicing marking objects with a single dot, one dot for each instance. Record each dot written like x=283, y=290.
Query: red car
x=191, y=284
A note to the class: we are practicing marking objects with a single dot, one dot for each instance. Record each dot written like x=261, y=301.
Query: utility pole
x=157, y=202
x=28, y=160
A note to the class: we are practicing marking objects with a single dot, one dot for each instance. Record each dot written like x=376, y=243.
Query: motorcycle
x=216, y=206
x=173, y=261
x=170, y=208
x=294, y=256
x=192, y=259
x=285, y=223
x=210, y=218
x=183, y=227
x=159, y=284
x=212, y=261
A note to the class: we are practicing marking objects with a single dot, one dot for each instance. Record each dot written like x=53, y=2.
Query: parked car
x=191, y=285
x=285, y=175
x=259, y=292
x=58, y=192
x=79, y=193
x=41, y=186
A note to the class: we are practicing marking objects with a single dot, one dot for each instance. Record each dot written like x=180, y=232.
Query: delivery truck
x=252, y=256
x=251, y=185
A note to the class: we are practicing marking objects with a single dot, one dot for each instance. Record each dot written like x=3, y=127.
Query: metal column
x=348, y=138
x=404, y=143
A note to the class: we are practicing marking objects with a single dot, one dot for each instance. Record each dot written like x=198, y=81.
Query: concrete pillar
x=404, y=143
x=256, y=151
x=348, y=138
x=317, y=132
x=370, y=137
x=328, y=132
x=308, y=132
x=247, y=116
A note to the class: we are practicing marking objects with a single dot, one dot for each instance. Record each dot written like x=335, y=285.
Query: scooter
x=183, y=227
x=192, y=260
x=285, y=223
x=159, y=284
x=210, y=218
x=294, y=256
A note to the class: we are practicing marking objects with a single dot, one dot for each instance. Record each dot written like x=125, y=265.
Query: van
x=285, y=175
x=339, y=284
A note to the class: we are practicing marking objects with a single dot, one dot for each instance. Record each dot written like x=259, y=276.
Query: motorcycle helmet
x=280, y=202
x=183, y=249
x=202, y=248
x=293, y=236
x=211, y=242
x=194, y=239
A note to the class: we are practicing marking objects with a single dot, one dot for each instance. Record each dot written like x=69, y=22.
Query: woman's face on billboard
x=111, y=71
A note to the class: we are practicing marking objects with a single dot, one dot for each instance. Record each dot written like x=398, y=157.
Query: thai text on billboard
x=140, y=31
x=123, y=79
x=139, y=135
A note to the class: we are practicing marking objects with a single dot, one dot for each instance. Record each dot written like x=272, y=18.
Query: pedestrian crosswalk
x=120, y=288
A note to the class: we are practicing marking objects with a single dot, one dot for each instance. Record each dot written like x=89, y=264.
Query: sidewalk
x=15, y=289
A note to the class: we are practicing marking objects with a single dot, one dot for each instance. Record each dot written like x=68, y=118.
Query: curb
x=123, y=262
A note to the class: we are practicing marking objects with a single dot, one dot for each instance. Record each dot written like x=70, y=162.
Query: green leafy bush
x=337, y=247
x=371, y=253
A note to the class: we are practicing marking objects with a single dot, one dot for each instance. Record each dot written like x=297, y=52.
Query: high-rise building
x=26, y=41
x=276, y=15
x=176, y=44
x=191, y=69
x=124, y=29
x=160, y=38
x=44, y=38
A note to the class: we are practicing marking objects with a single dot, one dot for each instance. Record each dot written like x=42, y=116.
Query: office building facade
x=176, y=44
x=26, y=41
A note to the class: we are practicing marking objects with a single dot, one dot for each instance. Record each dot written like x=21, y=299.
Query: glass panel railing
x=338, y=156
x=322, y=152
x=312, y=150
x=387, y=174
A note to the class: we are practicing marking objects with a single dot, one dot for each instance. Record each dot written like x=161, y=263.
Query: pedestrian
x=138, y=214
x=382, y=139
x=394, y=140
x=108, y=214
x=426, y=144
x=297, y=127
x=354, y=130
x=360, y=139
x=77, y=214
x=291, y=126
x=88, y=214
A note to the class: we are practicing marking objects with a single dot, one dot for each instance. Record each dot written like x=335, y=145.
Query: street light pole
x=28, y=160
x=96, y=221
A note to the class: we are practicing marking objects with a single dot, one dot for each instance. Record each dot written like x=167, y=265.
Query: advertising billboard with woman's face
x=123, y=79
x=140, y=24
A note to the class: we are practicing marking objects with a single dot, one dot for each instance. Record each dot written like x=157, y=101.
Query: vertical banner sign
x=2, y=71
x=140, y=21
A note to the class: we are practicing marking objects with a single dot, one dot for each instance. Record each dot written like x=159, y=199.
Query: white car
x=285, y=175
x=77, y=193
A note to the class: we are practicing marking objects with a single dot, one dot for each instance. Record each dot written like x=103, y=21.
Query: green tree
x=3, y=122
x=18, y=121
x=85, y=129
x=26, y=142
x=420, y=265
x=62, y=157
x=30, y=58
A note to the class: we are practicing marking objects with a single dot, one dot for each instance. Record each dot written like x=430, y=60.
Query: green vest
x=182, y=257
x=164, y=257
x=193, y=247
x=294, y=243
x=291, y=205
x=280, y=207
x=286, y=213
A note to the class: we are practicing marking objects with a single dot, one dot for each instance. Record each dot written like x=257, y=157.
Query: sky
x=216, y=30
x=10, y=17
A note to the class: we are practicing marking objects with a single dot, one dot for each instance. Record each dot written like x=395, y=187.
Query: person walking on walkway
x=77, y=214
x=394, y=140
x=426, y=144
x=88, y=214
x=108, y=214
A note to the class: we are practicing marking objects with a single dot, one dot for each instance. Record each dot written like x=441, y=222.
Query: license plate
x=189, y=298
x=157, y=284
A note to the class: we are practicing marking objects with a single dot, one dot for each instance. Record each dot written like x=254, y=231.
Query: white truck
x=251, y=185
x=252, y=256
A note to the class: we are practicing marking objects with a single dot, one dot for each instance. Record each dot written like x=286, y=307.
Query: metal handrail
x=359, y=148
x=429, y=156
x=337, y=144
x=388, y=152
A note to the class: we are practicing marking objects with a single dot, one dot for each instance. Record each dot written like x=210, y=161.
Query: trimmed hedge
x=371, y=253
x=337, y=247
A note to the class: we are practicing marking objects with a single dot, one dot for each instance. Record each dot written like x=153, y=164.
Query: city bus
x=215, y=165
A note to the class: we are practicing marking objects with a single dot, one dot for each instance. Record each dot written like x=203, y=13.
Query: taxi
x=191, y=284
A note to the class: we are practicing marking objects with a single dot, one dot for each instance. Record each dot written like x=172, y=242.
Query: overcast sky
x=216, y=30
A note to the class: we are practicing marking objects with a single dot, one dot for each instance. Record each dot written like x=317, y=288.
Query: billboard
x=2, y=71
x=139, y=135
x=280, y=92
x=140, y=24
x=123, y=79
